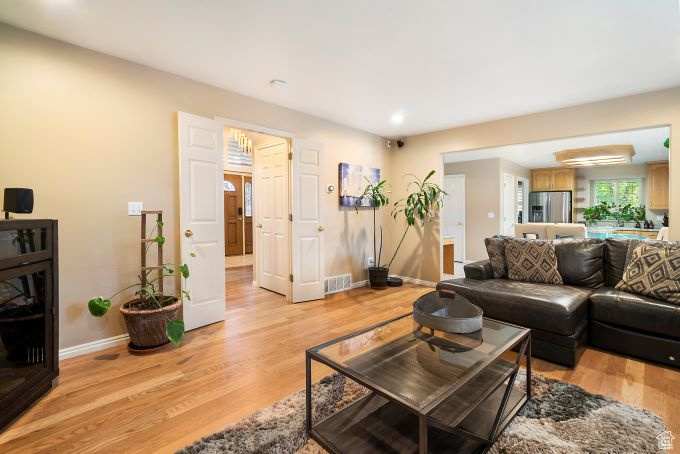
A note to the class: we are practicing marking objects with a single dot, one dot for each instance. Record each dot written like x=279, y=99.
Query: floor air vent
x=335, y=284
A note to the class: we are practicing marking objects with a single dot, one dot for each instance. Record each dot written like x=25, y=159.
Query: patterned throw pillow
x=532, y=261
x=495, y=247
x=653, y=270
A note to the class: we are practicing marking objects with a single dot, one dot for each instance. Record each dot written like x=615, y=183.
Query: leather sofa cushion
x=615, y=253
x=635, y=312
x=558, y=309
x=581, y=261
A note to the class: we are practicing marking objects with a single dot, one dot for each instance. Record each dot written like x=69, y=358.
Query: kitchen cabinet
x=559, y=179
x=657, y=185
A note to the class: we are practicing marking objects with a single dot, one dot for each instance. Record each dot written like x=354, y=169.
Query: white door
x=454, y=214
x=272, y=244
x=508, y=205
x=201, y=218
x=308, y=230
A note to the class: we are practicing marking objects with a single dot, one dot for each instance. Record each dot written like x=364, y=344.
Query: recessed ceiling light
x=398, y=118
x=277, y=83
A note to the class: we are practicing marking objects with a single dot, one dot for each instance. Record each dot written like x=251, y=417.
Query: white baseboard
x=412, y=280
x=89, y=347
x=360, y=284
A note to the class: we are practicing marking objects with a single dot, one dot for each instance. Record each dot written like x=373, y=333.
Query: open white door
x=307, y=226
x=454, y=213
x=201, y=218
x=509, y=218
x=271, y=188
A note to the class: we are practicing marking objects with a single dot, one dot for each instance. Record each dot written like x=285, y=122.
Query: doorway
x=509, y=205
x=453, y=226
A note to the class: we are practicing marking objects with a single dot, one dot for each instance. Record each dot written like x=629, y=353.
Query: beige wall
x=419, y=257
x=89, y=133
x=482, y=195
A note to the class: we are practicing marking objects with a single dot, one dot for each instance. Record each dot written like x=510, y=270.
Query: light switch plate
x=135, y=208
x=370, y=261
x=491, y=215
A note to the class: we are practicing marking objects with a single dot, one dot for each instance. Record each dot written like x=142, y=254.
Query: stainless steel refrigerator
x=550, y=206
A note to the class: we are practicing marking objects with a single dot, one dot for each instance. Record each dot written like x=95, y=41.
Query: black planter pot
x=377, y=276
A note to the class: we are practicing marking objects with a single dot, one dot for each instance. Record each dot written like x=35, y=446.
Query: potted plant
x=375, y=193
x=152, y=316
x=635, y=213
x=420, y=205
x=598, y=212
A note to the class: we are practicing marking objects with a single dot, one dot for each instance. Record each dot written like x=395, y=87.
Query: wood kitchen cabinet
x=657, y=185
x=553, y=179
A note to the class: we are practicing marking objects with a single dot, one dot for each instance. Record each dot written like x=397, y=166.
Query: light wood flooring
x=112, y=402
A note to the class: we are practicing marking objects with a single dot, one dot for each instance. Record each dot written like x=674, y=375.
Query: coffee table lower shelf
x=376, y=424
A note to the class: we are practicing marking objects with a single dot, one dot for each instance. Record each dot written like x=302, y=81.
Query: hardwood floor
x=112, y=402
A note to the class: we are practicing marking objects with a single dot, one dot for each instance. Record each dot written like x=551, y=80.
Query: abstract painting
x=353, y=180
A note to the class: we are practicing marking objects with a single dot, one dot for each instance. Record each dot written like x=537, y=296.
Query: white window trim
x=641, y=180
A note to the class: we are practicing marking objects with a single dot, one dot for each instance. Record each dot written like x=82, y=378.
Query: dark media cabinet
x=29, y=328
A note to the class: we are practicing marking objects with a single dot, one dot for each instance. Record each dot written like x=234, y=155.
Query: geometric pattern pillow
x=495, y=247
x=653, y=270
x=532, y=261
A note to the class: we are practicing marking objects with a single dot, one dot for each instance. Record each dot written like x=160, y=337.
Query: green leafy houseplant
x=149, y=299
x=375, y=193
x=420, y=205
x=598, y=212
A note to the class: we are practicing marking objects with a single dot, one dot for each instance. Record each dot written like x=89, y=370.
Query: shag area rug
x=560, y=418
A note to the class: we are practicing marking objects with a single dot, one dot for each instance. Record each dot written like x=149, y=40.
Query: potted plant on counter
x=598, y=212
x=375, y=194
x=420, y=205
x=152, y=316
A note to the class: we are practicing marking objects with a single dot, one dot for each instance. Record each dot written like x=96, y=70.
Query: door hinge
x=290, y=155
x=290, y=277
x=290, y=217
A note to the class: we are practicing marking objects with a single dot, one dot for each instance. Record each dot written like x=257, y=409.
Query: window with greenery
x=621, y=191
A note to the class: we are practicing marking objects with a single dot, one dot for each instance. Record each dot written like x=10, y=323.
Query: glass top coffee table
x=429, y=391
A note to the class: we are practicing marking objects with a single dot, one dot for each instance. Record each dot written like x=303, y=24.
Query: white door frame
x=284, y=135
x=525, y=198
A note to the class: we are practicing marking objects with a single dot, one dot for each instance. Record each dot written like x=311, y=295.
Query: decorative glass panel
x=229, y=186
x=249, y=198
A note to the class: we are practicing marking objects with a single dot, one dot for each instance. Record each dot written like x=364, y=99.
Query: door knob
x=188, y=233
x=259, y=226
x=321, y=229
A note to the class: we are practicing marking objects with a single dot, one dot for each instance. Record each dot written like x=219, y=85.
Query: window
x=622, y=191
x=229, y=186
x=249, y=198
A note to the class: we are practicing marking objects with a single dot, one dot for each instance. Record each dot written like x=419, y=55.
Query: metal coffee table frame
x=522, y=343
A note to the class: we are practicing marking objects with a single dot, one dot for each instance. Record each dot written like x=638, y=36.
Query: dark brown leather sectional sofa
x=586, y=310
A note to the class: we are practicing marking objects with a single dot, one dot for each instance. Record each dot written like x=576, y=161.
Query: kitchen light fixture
x=607, y=155
x=277, y=83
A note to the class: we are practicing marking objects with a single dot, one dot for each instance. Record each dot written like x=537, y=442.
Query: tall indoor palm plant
x=375, y=194
x=420, y=205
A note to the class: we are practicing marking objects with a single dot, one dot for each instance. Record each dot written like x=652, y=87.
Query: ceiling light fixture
x=277, y=83
x=398, y=118
x=608, y=155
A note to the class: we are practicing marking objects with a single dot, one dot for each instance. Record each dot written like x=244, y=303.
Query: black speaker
x=18, y=200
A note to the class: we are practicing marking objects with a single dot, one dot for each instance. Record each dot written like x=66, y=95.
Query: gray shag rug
x=560, y=418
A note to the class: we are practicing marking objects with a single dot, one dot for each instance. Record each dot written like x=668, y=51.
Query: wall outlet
x=370, y=261
x=491, y=215
x=135, y=208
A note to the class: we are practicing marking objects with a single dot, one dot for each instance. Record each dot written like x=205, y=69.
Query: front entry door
x=233, y=215
x=273, y=261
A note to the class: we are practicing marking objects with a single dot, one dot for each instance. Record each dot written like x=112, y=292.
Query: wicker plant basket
x=147, y=327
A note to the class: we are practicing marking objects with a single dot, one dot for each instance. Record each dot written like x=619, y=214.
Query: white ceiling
x=358, y=62
x=648, y=145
